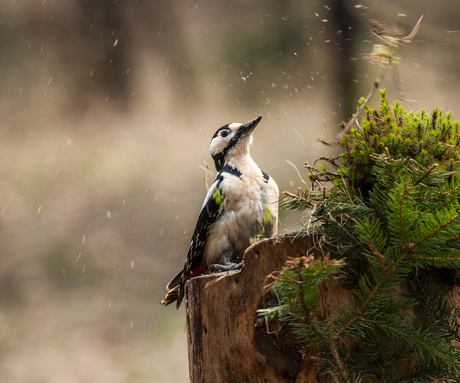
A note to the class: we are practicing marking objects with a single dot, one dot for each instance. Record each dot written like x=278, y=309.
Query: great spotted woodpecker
x=241, y=204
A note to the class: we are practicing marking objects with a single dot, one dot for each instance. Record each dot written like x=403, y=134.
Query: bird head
x=232, y=140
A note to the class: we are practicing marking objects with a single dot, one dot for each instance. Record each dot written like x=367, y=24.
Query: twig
x=411, y=35
x=355, y=117
x=428, y=171
x=393, y=44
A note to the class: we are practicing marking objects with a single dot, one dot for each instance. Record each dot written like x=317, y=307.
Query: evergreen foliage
x=390, y=215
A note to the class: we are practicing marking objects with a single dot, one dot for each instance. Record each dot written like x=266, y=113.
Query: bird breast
x=245, y=214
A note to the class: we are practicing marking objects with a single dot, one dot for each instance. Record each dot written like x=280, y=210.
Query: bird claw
x=227, y=267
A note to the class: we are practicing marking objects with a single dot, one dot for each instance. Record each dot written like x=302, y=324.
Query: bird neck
x=235, y=158
x=219, y=161
x=240, y=163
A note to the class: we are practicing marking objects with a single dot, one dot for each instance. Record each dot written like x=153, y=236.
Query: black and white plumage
x=241, y=204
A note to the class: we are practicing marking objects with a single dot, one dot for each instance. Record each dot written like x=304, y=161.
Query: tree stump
x=228, y=342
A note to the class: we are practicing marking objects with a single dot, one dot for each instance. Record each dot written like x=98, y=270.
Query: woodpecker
x=241, y=204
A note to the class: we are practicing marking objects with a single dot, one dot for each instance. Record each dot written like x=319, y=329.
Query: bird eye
x=224, y=133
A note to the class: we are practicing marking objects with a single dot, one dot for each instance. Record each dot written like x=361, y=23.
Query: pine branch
x=331, y=341
x=414, y=246
x=401, y=217
x=428, y=171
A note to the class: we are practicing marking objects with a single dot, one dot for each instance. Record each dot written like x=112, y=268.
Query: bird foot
x=229, y=266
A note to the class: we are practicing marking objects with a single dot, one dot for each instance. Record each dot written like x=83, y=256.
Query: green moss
x=426, y=138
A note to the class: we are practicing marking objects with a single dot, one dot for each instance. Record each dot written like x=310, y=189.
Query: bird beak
x=246, y=130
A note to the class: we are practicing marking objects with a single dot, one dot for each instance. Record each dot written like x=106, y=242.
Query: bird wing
x=211, y=210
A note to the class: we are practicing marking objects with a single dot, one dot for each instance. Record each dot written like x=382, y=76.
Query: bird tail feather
x=175, y=291
x=171, y=296
x=174, y=282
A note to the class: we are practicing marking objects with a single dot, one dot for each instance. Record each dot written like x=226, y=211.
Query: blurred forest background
x=107, y=111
